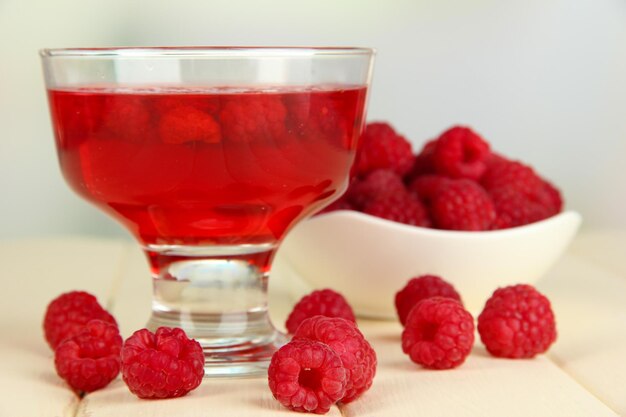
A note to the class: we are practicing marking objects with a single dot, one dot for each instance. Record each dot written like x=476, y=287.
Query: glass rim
x=206, y=51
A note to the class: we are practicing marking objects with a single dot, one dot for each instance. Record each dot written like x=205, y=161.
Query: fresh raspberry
x=420, y=288
x=164, y=364
x=187, y=124
x=324, y=302
x=356, y=354
x=516, y=209
x=400, y=207
x=68, y=313
x=424, y=163
x=428, y=186
x=307, y=376
x=439, y=333
x=90, y=359
x=517, y=322
x=461, y=153
x=462, y=205
x=511, y=174
x=376, y=184
x=551, y=196
x=382, y=148
x=259, y=117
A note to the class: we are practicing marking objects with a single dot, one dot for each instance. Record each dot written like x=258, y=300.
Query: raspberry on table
x=428, y=186
x=345, y=339
x=382, y=148
x=401, y=207
x=68, y=313
x=308, y=376
x=259, y=117
x=517, y=322
x=324, y=302
x=164, y=364
x=462, y=205
x=420, y=288
x=90, y=359
x=188, y=124
x=376, y=184
x=439, y=333
x=461, y=153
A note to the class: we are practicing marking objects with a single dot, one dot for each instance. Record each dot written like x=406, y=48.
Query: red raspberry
x=461, y=153
x=439, y=333
x=517, y=322
x=324, y=302
x=400, y=207
x=345, y=339
x=164, y=364
x=428, y=186
x=376, y=184
x=68, y=313
x=516, y=209
x=424, y=163
x=253, y=117
x=307, y=376
x=382, y=148
x=552, y=197
x=90, y=359
x=511, y=174
x=187, y=124
x=420, y=288
x=463, y=205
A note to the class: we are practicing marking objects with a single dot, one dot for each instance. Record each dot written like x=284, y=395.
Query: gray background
x=542, y=80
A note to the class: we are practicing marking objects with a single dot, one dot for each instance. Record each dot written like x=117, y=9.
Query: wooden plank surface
x=590, y=306
x=589, y=354
x=33, y=272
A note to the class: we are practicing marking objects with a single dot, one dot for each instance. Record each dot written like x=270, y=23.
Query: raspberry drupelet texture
x=420, y=288
x=428, y=186
x=461, y=153
x=462, y=205
x=90, y=359
x=375, y=185
x=520, y=195
x=348, y=342
x=307, y=376
x=517, y=322
x=403, y=207
x=68, y=313
x=164, y=364
x=439, y=333
x=382, y=148
x=324, y=302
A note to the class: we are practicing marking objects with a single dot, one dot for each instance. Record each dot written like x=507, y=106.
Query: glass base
x=220, y=301
x=230, y=348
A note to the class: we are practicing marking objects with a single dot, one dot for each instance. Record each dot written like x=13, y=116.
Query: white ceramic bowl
x=369, y=259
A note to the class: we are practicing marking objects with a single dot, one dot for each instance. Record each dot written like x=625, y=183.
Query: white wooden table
x=584, y=374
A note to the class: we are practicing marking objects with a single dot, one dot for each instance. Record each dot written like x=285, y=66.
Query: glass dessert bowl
x=209, y=156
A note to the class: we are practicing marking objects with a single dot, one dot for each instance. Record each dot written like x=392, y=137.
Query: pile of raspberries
x=456, y=182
